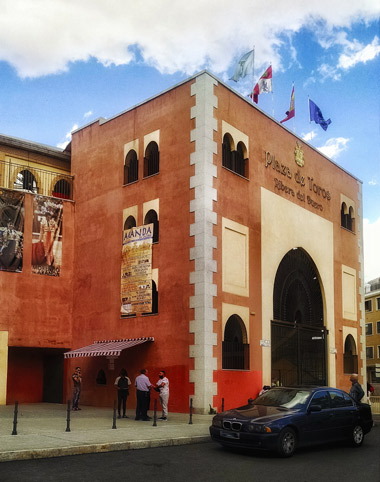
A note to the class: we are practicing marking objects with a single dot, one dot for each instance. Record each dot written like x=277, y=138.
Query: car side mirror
x=315, y=408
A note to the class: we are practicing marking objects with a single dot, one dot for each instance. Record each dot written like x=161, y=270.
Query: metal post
x=222, y=404
x=191, y=412
x=155, y=413
x=14, y=432
x=68, y=416
x=114, y=414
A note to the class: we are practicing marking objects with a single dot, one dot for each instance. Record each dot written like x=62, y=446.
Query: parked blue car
x=285, y=418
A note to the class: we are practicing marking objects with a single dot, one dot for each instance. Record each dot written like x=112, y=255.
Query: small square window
x=368, y=305
x=368, y=329
x=369, y=352
x=378, y=303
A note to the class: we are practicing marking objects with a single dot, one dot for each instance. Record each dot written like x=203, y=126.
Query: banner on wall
x=136, y=270
x=11, y=230
x=47, y=236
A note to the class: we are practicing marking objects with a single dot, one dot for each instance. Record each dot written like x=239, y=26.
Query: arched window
x=154, y=300
x=62, y=189
x=26, y=180
x=227, y=151
x=350, y=358
x=151, y=160
x=131, y=167
x=347, y=217
x=240, y=160
x=151, y=218
x=130, y=223
x=351, y=219
x=101, y=378
x=235, y=347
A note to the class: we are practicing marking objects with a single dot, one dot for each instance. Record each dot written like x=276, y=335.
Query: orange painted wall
x=239, y=200
x=25, y=375
x=97, y=164
x=236, y=387
x=37, y=310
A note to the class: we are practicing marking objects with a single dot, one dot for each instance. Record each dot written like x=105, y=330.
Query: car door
x=345, y=412
x=318, y=424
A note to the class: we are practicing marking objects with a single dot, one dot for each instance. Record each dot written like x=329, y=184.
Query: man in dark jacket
x=356, y=391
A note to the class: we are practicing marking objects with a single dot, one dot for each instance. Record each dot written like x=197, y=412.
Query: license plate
x=234, y=435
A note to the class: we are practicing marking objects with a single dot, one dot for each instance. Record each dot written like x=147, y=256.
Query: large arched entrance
x=298, y=332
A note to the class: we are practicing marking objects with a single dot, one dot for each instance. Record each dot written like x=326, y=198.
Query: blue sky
x=64, y=63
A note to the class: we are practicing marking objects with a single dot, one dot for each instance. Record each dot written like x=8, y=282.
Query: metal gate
x=298, y=354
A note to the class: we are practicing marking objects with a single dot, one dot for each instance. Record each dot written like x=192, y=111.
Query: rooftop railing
x=35, y=180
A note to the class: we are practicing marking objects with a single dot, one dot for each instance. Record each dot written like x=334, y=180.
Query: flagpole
x=294, y=105
x=272, y=94
x=308, y=105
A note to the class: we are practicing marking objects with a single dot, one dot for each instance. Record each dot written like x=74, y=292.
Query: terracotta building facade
x=256, y=258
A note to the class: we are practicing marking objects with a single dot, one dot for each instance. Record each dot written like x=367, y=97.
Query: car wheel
x=357, y=435
x=287, y=442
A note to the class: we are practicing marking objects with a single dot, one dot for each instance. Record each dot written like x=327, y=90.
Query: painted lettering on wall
x=284, y=184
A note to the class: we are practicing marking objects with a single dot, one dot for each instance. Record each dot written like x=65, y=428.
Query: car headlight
x=259, y=428
x=217, y=422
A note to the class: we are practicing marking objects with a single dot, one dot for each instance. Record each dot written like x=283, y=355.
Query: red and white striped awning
x=107, y=347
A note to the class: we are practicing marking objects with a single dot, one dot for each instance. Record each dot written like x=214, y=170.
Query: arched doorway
x=298, y=332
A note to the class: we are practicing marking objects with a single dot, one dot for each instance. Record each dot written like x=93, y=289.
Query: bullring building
x=191, y=233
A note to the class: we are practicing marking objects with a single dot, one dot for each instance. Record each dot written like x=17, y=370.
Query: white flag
x=244, y=66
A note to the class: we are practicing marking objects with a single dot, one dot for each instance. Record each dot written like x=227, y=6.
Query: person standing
x=356, y=392
x=143, y=387
x=163, y=385
x=77, y=381
x=122, y=383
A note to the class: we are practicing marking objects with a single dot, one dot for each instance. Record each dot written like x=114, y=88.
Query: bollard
x=191, y=412
x=155, y=413
x=222, y=404
x=14, y=431
x=68, y=416
x=114, y=414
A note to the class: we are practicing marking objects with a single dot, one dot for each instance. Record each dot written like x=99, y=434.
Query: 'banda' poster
x=136, y=270
x=11, y=230
x=47, y=236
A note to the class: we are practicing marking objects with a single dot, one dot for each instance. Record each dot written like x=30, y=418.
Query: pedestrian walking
x=356, y=392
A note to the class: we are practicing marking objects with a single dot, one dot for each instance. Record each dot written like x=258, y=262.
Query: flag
x=244, y=66
x=292, y=108
x=317, y=117
x=263, y=86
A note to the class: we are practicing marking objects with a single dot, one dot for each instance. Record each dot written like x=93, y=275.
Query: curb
x=99, y=448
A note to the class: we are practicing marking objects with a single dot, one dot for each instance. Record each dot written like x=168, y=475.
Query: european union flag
x=317, y=117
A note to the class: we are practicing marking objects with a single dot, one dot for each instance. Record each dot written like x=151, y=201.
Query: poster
x=136, y=270
x=47, y=236
x=11, y=230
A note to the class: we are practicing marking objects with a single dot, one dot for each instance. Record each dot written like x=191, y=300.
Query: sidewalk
x=41, y=431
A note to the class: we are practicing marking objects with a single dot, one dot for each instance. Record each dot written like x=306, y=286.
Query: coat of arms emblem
x=298, y=155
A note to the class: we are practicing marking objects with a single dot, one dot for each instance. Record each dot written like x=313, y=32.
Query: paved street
x=206, y=462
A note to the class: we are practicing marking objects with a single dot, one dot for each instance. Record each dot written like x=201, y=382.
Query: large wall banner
x=47, y=236
x=11, y=230
x=136, y=270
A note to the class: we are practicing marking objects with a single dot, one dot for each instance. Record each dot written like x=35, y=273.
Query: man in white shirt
x=163, y=385
x=143, y=387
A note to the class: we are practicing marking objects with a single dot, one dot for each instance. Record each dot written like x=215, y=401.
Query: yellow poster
x=136, y=270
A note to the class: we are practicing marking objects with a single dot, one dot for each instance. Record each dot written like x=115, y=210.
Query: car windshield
x=283, y=397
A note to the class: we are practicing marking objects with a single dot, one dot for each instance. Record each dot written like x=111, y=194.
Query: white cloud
x=87, y=114
x=327, y=72
x=40, y=37
x=371, y=240
x=63, y=144
x=334, y=146
x=309, y=135
x=359, y=54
